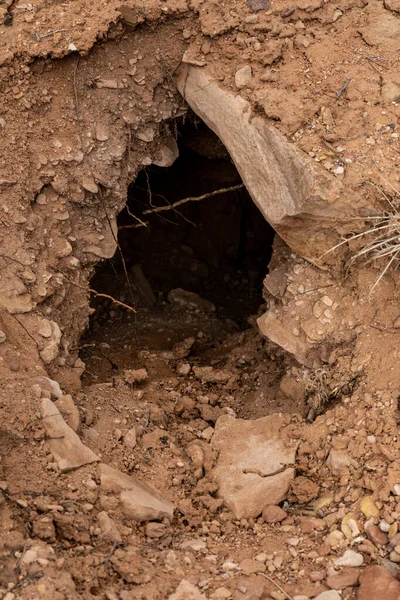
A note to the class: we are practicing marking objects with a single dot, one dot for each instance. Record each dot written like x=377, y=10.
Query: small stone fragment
x=69, y=411
x=377, y=537
x=243, y=77
x=249, y=566
x=329, y=595
x=273, y=514
x=3, y=336
x=156, y=530
x=108, y=528
x=338, y=460
x=349, y=526
x=390, y=92
x=64, y=444
x=182, y=349
x=101, y=132
x=89, y=184
x=195, y=545
x=305, y=489
x=256, y=5
x=130, y=438
x=132, y=376
x=30, y=556
x=184, y=369
x=349, y=559
x=369, y=508
x=138, y=501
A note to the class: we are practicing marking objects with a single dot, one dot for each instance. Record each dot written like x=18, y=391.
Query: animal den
x=193, y=253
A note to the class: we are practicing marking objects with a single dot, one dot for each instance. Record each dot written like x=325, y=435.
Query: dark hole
x=218, y=247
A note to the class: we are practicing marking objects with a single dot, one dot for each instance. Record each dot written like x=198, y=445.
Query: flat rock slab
x=65, y=445
x=137, y=500
x=249, y=451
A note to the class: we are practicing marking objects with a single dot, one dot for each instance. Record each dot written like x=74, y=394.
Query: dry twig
x=159, y=209
x=99, y=294
x=276, y=585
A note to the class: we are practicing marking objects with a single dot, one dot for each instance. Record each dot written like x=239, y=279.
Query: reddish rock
x=376, y=583
x=346, y=578
x=273, y=514
x=312, y=524
x=249, y=566
x=377, y=537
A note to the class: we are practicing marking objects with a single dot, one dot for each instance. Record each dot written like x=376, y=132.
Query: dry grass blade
x=385, y=233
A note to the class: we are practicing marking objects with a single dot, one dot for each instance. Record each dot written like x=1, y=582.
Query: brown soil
x=88, y=103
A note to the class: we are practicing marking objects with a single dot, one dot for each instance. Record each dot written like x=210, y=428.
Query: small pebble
x=369, y=508
x=349, y=559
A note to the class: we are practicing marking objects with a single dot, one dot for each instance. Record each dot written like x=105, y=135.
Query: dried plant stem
x=99, y=294
x=276, y=585
x=193, y=199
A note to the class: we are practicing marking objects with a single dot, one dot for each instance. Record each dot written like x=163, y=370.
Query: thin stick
x=142, y=223
x=99, y=295
x=276, y=585
x=193, y=199
x=109, y=555
x=110, y=298
x=135, y=226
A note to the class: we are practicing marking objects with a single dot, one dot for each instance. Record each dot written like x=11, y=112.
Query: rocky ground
x=173, y=453
x=209, y=463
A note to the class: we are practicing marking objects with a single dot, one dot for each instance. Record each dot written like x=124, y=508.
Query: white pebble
x=384, y=526
x=396, y=489
x=349, y=559
x=338, y=170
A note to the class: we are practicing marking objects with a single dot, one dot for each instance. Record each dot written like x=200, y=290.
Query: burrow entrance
x=194, y=271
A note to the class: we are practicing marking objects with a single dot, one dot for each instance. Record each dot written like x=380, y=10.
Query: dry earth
x=173, y=452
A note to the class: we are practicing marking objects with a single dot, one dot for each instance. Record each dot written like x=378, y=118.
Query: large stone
x=291, y=191
x=137, y=500
x=64, y=444
x=249, y=453
x=376, y=583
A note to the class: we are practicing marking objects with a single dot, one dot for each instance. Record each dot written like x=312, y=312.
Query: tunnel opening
x=195, y=252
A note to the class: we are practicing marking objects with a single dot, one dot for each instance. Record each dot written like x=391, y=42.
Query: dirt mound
x=213, y=434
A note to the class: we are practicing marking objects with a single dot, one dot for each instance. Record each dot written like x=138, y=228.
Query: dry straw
x=381, y=239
